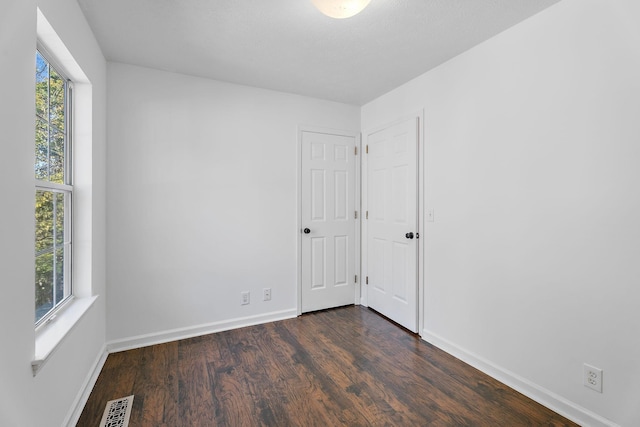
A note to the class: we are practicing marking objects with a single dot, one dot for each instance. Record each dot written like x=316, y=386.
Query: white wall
x=47, y=399
x=532, y=167
x=202, y=201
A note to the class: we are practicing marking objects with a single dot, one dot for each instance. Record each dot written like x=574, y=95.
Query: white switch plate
x=430, y=215
x=245, y=298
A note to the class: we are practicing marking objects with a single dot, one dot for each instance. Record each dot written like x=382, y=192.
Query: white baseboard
x=83, y=395
x=194, y=331
x=555, y=402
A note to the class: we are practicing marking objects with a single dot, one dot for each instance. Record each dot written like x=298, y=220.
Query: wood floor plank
x=229, y=387
x=412, y=379
x=312, y=362
x=342, y=367
x=271, y=378
x=155, y=386
x=296, y=380
x=194, y=385
x=355, y=375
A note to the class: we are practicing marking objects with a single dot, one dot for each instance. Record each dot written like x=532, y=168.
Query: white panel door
x=392, y=226
x=328, y=223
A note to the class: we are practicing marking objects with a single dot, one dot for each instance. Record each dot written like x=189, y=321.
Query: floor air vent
x=117, y=412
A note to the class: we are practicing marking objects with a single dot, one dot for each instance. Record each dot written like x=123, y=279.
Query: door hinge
x=367, y=281
x=356, y=279
x=367, y=215
x=367, y=149
x=355, y=215
x=355, y=151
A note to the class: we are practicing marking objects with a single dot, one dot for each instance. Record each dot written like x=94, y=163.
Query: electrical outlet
x=266, y=293
x=245, y=297
x=593, y=378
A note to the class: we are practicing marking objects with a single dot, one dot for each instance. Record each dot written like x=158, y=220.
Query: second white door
x=327, y=220
x=392, y=226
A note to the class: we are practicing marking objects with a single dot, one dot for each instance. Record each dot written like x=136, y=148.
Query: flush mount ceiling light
x=340, y=9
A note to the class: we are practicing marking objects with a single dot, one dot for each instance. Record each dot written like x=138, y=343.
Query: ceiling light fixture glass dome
x=340, y=9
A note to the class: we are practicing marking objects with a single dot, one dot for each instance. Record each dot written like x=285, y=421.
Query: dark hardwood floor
x=346, y=366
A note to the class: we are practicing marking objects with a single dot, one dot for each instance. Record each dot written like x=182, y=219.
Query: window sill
x=49, y=336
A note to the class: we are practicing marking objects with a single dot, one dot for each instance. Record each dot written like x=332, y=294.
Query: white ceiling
x=287, y=45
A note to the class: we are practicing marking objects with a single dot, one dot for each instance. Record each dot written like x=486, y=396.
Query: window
x=53, y=189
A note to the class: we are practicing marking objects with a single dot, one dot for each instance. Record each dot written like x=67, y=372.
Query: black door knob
x=307, y=231
x=409, y=235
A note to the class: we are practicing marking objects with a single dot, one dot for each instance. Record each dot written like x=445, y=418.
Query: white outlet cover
x=592, y=378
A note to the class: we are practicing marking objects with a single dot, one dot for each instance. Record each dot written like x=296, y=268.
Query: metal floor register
x=117, y=412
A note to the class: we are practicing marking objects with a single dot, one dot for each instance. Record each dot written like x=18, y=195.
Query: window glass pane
x=44, y=284
x=42, y=150
x=52, y=250
x=59, y=294
x=44, y=221
x=56, y=156
x=42, y=87
x=59, y=205
x=50, y=123
x=56, y=99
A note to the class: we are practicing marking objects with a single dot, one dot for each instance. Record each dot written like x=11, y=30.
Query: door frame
x=358, y=205
x=420, y=195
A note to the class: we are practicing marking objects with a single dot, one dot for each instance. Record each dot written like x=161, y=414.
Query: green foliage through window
x=53, y=202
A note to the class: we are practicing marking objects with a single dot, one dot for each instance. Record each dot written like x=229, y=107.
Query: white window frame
x=66, y=189
x=50, y=335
